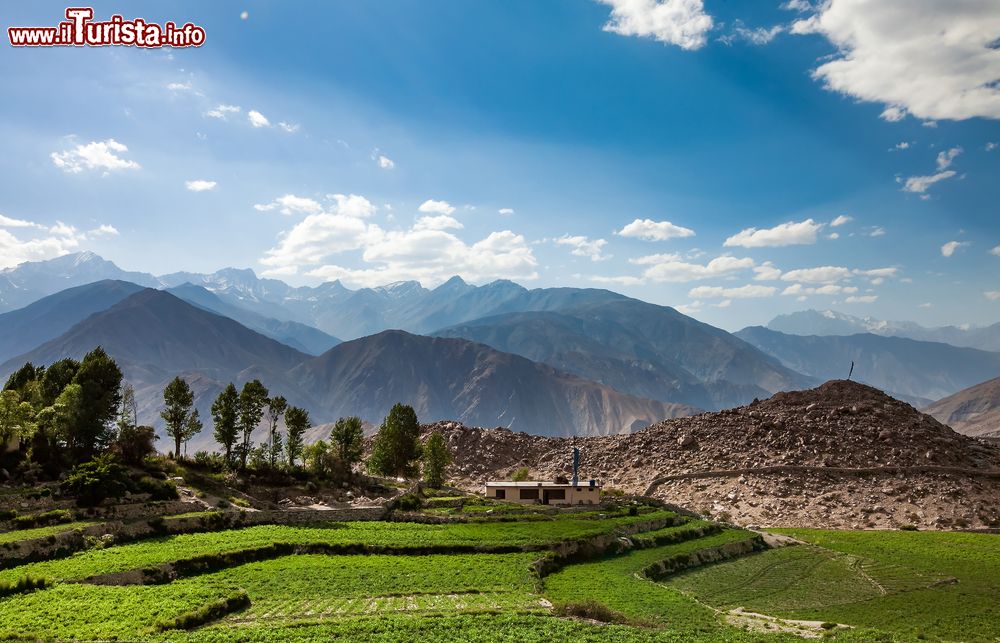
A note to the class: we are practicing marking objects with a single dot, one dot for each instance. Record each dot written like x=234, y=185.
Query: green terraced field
x=43, y=532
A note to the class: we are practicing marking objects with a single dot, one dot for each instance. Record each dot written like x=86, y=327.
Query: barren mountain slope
x=972, y=411
x=842, y=454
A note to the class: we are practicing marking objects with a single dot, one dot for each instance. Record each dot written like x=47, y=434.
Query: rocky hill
x=843, y=454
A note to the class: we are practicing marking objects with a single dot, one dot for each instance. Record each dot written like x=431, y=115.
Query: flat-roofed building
x=546, y=493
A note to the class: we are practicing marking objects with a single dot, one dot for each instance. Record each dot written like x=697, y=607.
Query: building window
x=555, y=494
x=502, y=494
x=529, y=494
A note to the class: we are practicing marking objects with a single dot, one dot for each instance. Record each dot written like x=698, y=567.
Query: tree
x=397, y=445
x=64, y=414
x=178, y=400
x=191, y=428
x=253, y=399
x=19, y=378
x=296, y=423
x=225, y=416
x=100, y=381
x=57, y=377
x=17, y=418
x=128, y=410
x=100, y=478
x=276, y=407
x=348, y=435
x=134, y=444
x=436, y=457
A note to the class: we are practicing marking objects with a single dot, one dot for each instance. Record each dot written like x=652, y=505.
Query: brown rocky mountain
x=473, y=383
x=972, y=411
x=840, y=455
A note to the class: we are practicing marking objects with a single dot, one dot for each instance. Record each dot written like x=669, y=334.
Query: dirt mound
x=766, y=462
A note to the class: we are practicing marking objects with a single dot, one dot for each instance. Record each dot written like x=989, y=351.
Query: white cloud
x=787, y=234
x=798, y=5
x=992, y=295
x=675, y=22
x=995, y=251
x=878, y=272
x=860, y=299
x=766, y=272
x=385, y=162
x=877, y=231
x=439, y=222
x=841, y=220
x=892, y=113
x=833, y=236
x=742, y=292
x=935, y=60
x=624, y=280
x=352, y=205
x=920, y=184
x=904, y=145
x=103, y=230
x=949, y=248
x=179, y=87
x=290, y=204
x=989, y=147
x=819, y=275
x=754, y=36
x=257, y=119
x=946, y=158
x=222, y=111
x=7, y=222
x=506, y=211
x=584, y=247
x=650, y=230
x=828, y=289
x=200, y=185
x=926, y=304
x=291, y=128
x=649, y=260
x=431, y=206
x=96, y=155
x=680, y=271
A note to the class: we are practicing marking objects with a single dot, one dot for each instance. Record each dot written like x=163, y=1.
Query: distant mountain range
x=154, y=336
x=973, y=411
x=828, y=322
x=915, y=371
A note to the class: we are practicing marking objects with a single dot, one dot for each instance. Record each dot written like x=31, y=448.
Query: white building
x=546, y=493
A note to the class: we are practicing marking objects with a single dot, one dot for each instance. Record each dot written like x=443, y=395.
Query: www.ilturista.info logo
x=79, y=30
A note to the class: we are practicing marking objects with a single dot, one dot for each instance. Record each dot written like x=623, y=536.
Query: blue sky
x=686, y=153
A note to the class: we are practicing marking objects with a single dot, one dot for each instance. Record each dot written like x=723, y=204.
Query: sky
x=735, y=160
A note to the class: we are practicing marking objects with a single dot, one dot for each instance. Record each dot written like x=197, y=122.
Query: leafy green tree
x=225, y=417
x=128, y=410
x=192, y=428
x=19, y=378
x=100, y=380
x=253, y=399
x=178, y=401
x=435, y=457
x=348, y=437
x=17, y=418
x=521, y=474
x=276, y=407
x=65, y=413
x=134, y=444
x=397, y=445
x=93, y=481
x=57, y=377
x=296, y=423
x=321, y=460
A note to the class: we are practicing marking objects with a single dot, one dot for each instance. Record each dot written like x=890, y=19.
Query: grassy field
x=890, y=586
x=43, y=532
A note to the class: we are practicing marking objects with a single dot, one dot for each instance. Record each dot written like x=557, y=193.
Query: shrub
x=93, y=481
x=591, y=610
x=157, y=489
x=214, y=462
x=7, y=514
x=54, y=517
x=134, y=444
x=23, y=584
x=521, y=475
x=408, y=502
x=216, y=609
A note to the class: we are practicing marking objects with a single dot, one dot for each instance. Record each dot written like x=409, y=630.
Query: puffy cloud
x=947, y=157
x=439, y=222
x=290, y=204
x=828, y=289
x=877, y=231
x=8, y=222
x=792, y=233
x=677, y=271
x=935, y=60
x=431, y=206
x=291, y=128
x=36, y=242
x=200, y=185
x=315, y=238
x=103, y=230
x=833, y=236
x=257, y=119
x=860, y=299
x=352, y=205
x=584, y=247
x=920, y=184
x=841, y=220
x=949, y=248
x=819, y=275
x=623, y=280
x=904, y=145
x=766, y=272
x=675, y=22
x=180, y=87
x=995, y=251
x=650, y=230
x=992, y=295
x=222, y=111
x=385, y=162
x=989, y=147
x=96, y=155
x=742, y=292
x=506, y=211
x=753, y=36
